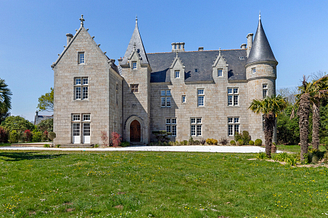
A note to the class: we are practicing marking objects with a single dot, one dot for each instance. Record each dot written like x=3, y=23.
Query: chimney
x=69, y=37
x=201, y=49
x=243, y=46
x=249, y=42
x=178, y=46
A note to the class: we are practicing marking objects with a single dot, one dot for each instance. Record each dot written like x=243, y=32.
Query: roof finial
x=136, y=20
x=260, y=15
x=82, y=20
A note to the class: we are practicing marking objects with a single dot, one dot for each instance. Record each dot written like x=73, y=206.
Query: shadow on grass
x=18, y=156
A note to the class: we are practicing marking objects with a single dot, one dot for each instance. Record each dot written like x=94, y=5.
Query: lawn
x=295, y=148
x=157, y=184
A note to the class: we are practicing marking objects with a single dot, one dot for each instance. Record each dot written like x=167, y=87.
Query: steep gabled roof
x=135, y=44
x=261, y=50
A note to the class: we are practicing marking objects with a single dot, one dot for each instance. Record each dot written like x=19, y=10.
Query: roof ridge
x=237, y=49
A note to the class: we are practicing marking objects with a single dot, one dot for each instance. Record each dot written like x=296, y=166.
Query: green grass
x=156, y=184
x=295, y=148
x=4, y=144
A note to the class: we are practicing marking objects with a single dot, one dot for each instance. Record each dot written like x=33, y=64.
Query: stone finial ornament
x=82, y=20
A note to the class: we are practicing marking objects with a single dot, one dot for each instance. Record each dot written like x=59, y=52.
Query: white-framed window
x=81, y=88
x=200, y=97
x=195, y=126
x=134, y=65
x=254, y=70
x=80, y=57
x=265, y=90
x=233, y=126
x=177, y=74
x=134, y=87
x=165, y=98
x=233, y=96
x=220, y=72
x=183, y=99
x=171, y=126
x=81, y=127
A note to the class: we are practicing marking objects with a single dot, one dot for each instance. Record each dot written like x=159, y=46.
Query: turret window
x=265, y=90
x=254, y=70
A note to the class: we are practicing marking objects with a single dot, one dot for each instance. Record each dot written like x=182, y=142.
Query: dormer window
x=220, y=72
x=177, y=74
x=81, y=57
x=134, y=65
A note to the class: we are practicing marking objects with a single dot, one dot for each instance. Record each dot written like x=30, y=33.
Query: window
x=200, y=97
x=171, y=126
x=134, y=87
x=116, y=94
x=233, y=126
x=265, y=90
x=196, y=70
x=233, y=96
x=195, y=126
x=81, y=127
x=81, y=57
x=165, y=98
x=81, y=88
x=134, y=65
x=220, y=72
x=177, y=74
x=254, y=70
x=183, y=100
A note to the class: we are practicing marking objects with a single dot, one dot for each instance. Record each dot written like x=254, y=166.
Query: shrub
x=211, y=141
x=125, y=144
x=237, y=136
x=243, y=136
x=3, y=135
x=51, y=136
x=261, y=156
x=27, y=135
x=116, y=139
x=36, y=137
x=96, y=146
x=196, y=142
x=44, y=136
x=251, y=142
x=191, y=141
x=202, y=141
x=57, y=146
x=104, y=138
x=258, y=142
x=13, y=136
x=284, y=157
x=240, y=142
x=223, y=141
x=46, y=145
x=185, y=142
x=162, y=135
x=232, y=142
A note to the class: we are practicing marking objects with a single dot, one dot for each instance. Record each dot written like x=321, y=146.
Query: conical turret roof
x=135, y=45
x=261, y=50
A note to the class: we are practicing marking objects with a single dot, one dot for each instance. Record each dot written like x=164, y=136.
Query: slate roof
x=202, y=61
x=261, y=50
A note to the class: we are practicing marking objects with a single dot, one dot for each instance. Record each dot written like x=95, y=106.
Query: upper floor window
x=254, y=70
x=134, y=65
x=200, y=97
x=233, y=96
x=265, y=90
x=81, y=57
x=134, y=87
x=81, y=89
x=220, y=72
x=183, y=100
x=165, y=98
x=177, y=74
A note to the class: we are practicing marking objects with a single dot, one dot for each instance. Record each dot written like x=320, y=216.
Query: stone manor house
x=203, y=94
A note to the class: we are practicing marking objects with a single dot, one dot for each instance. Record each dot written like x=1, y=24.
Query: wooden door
x=135, y=131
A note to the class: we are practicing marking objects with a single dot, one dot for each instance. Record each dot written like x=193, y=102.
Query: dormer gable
x=220, y=68
x=177, y=70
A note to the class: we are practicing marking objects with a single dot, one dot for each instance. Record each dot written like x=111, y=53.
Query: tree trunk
x=303, y=113
x=316, y=126
x=268, y=132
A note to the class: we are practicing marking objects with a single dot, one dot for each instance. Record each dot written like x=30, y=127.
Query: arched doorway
x=135, y=132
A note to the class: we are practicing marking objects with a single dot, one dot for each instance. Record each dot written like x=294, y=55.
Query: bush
x=258, y=142
x=3, y=135
x=36, y=137
x=57, y=146
x=232, y=142
x=51, y=136
x=13, y=136
x=223, y=141
x=240, y=142
x=96, y=146
x=211, y=141
x=251, y=142
x=261, y=156
x=116, y=139
x=196, y=142
x=244, y=136
x=284, y=157
x=191, y=141
x=162, y=135
x=27, y=135
x=46, y=145
x=203, y=142
x=125, y=144
x=44, y=136
x=185, y=142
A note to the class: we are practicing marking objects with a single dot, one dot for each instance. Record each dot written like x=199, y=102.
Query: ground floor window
x=81, y=128
x=171, y=126
x=233, y=126
x=195, y=126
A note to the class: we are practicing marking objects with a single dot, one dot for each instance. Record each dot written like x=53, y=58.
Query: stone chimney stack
x=201, y=49
x=69, y=37
x=243, y=46
x=178, y=46
x=249, y=43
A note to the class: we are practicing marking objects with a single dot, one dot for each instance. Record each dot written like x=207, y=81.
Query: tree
x=17, y=123
x=46, y=125
x=269, y=107
x=46, y=101
x=5, y=100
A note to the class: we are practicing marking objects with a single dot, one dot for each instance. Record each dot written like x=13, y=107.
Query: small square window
x=254, y=70
x=193, y=120
x=76, y=117
x=230, y=119
x=163, y=93
x=174, y=121
x=168, y=92
x=168, y=121
x=78, y=81
x=85, y=81
x=229, y=90
x=220, y=73
x=134, y=65
x=199, y=120
x=134, y=87
x=81, y=57
x=177, y=74
x=200, y=91
x=235, y=91
x=86, y=117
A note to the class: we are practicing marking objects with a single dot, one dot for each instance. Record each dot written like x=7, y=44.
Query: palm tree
x=269, y=107
x=5, y=99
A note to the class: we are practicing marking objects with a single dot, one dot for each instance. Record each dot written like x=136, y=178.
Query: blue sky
x=33, y=34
